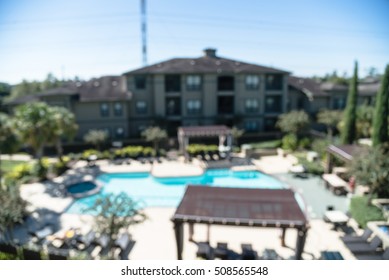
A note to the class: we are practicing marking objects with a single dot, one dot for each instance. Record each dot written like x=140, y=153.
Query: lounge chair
x=123, y=255
x=331, y=255
x=378, y=256
x=247, y=252
x=103, y=241
x=357, y=238
x=365, y=247
x=221, y=251
x=204, y=251
x=123, y=241
x=270, y=254
x=58, y=254
x=31, y=254
x=87, y=239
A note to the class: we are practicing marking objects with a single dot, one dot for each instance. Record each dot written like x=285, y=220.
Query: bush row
x=126, y=152
x=32, y=171
x=201, y=149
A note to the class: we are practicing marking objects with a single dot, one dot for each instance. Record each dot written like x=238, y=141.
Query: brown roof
x=204, y=64
x=106, y=88
x=237, y=206
x=344, y=151
x=212, y=130
x=308, y=86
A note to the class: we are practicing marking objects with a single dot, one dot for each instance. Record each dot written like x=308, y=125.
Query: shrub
x=304, y=143
x=5, y=256
x=290, y=142
x=363, y=212
x=21, y=173
x=320, y=146
x=272, y=144
x=196, y=149
x=148, y=151
x=87, y=153
x=131, y=151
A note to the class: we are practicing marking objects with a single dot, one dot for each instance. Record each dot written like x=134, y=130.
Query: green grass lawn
x=8, y=165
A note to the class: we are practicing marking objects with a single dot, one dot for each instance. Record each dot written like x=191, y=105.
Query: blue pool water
x=81, y=187
x=385, y=229
x=167, y=192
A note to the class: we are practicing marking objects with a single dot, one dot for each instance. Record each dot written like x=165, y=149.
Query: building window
x=274, y=82
x=193, y=82
x=252, y=82
x=140, y=81
x=225, y=83
x=251, y=126
x=118, y=109
x=141, y=107
x=173, y=106
x=172, y=83
x=108, y=131
x=339, y=103
x=193, y=107
x=104, y=110
x=225, y=105
x=119, y=133
x=141, y=128
x=273, y=104
x=251, y=105
x=270, y=124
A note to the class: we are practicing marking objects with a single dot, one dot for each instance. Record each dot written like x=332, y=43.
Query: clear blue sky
x=90, y=38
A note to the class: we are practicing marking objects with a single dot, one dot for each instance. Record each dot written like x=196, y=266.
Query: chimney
x=210, y=52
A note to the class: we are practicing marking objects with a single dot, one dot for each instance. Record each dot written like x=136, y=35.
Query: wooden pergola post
x=179, y=233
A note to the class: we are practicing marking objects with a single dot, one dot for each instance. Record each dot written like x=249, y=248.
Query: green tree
x=32, y=87
x=330, y=118
x=364, y=123
x=295, y=122
x=9, y=142
x=154, y=135
x=348, y=134
x=115, y=212
x=36, y=128
x=96, y=137
x=12, y=211
x=65, y=127
x=380, y=127
x=371, y=168
x=236, y=134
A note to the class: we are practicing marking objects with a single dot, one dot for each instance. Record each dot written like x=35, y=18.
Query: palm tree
x=115, y=212
x=35, y=126
x=154, y=135
x=96, y=137
x=236, y=134
x=65, y=127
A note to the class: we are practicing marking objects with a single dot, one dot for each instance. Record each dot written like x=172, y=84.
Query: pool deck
x=155, y=237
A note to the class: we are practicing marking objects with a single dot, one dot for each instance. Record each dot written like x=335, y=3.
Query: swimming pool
x=167, y=192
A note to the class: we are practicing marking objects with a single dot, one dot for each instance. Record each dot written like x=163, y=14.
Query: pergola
x=221, y=131
x=343, y=152
x=269, y=208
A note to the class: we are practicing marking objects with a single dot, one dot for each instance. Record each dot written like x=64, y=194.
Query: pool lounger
x=377, y=256
x=357, y=238
x=365, y=247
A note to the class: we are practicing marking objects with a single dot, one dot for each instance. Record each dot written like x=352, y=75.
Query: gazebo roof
x=201, y=131
x=241, y=207
x=345, y=152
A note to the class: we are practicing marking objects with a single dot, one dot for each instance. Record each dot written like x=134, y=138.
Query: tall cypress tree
x=381, y=113
x=349, y=129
